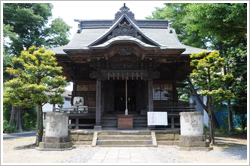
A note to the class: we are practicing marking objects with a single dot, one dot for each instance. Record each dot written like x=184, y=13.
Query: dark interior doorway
x=120, y=101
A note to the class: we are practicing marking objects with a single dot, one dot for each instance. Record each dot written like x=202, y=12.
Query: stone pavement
x=124, y=155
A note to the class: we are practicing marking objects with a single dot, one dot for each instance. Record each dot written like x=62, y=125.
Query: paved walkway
x=18, y=135
x=124, y=155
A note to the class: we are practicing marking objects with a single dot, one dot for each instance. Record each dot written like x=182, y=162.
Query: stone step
x=124, y=142
x=127, y=132
x=125, y=137
x=151, y=145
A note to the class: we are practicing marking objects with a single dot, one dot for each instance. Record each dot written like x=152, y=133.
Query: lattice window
x=163, y=91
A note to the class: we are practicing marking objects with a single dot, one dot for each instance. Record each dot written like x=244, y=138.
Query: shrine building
x=125, y=66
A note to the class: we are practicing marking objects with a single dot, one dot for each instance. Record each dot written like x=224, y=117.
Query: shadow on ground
x=25, y=147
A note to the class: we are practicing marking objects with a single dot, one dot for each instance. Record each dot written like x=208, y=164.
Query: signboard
x=158, y=118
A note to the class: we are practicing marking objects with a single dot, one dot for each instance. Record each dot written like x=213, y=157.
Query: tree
x=216, y=26
x=207, y=76
x=179, y=12
x=225, y=24
x=36, y=82
x=238, y=61
x=26, y=24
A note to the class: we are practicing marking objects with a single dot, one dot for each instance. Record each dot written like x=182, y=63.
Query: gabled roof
x=94, y=34
x=115, y=25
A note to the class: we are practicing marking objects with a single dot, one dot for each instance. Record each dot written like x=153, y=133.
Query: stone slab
x=56, y=139
x=207, y=149
x=45, y=145
x=192, y=144
x=192, y=138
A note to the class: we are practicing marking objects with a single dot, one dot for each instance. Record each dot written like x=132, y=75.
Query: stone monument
x=192, y=136
x=56, y=132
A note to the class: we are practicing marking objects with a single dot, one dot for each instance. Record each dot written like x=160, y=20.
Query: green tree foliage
x=36, y=82
x=238, y=61
x=225, y=24
x=208, y=76
x=217, y=26
x=224, y=20
x=179, y=12
x=25, y=25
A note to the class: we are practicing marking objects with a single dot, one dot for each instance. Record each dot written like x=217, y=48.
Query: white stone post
x=192, y=136
x=56, y=132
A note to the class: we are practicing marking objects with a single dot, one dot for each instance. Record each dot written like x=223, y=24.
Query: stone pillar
x=98, y=105
x=56, y=132
x=192, y=136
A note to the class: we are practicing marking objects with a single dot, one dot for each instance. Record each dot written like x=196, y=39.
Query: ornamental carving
x=194, y=123
x=124, y=10
x=124, y=29
x=124, y=50
x=53, y=123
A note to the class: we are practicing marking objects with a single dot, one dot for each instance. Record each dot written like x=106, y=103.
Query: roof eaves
x=124, y=39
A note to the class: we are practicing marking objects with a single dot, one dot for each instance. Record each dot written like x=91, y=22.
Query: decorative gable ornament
x=124, y=10
x=125, y=30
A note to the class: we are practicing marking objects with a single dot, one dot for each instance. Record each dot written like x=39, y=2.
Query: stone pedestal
x=56, y=132
x=192, y=137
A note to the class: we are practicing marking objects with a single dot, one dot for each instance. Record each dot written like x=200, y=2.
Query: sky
x=87, y=10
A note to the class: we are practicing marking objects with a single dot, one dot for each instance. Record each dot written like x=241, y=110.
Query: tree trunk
x=16, y=118
x=230, y=117
x=211, y=126
x=39, y=134
x=12, y=116
x=215, y=122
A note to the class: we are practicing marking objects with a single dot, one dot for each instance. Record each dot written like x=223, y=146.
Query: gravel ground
x=165, y=155
x=232, y=154
x=226, y=151
x=237, y=153
x=82, y=154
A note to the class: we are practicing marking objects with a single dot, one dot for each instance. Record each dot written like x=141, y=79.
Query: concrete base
x=52, y=149
x=61, y=145
x=193, y=144
x=207, y=149
x=97, y=127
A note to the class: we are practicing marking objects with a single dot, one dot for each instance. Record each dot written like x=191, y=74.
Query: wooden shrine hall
x=125, y=66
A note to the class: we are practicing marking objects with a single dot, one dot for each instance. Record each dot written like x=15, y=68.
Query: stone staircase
x=124, y=139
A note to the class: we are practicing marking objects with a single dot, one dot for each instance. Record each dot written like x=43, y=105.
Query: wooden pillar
x=150, y=99
x=77, y=123
x=98, y=105
x=73, y=93
x=150, y=95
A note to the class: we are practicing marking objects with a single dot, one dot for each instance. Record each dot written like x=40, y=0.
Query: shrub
x=8, y=128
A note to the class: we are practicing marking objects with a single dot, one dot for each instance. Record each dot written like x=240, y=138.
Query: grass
x=222, y=132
